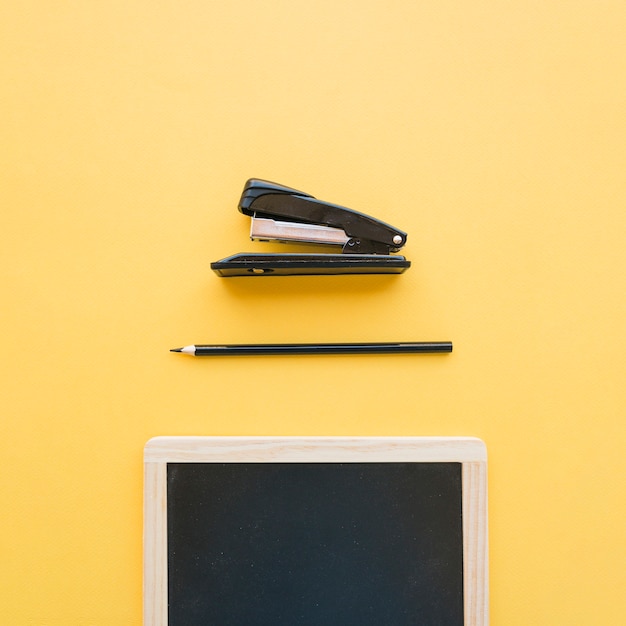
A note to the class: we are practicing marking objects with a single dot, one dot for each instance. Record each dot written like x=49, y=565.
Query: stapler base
x=252, y=264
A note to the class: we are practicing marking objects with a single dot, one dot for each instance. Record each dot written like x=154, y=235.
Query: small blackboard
x=315, y=531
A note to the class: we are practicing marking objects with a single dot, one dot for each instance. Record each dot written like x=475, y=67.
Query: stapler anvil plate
x=283, y=214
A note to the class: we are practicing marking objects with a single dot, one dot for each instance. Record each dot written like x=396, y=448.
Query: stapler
x=284, y=214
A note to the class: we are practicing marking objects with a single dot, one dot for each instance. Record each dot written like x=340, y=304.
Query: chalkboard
x=302, y=531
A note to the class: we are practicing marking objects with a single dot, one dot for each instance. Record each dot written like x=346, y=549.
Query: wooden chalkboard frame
x=470, y=452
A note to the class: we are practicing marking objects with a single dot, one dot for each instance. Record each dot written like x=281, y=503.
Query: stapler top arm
x=286, y=214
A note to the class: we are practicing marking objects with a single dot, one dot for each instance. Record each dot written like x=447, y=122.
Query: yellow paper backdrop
x=492, y=132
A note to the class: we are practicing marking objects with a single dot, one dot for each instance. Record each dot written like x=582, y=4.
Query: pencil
x=409, y=347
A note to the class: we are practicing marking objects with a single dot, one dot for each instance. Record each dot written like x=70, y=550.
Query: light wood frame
x=470, y=452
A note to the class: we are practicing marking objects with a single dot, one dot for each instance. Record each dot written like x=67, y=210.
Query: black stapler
x=280, y=213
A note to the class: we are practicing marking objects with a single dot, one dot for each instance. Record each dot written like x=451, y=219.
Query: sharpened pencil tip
x=176, y=350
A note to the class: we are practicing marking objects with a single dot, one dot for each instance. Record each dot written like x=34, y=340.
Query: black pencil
x=409, y=347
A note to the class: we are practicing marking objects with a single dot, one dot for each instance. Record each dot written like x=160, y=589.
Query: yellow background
x=492, y=132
